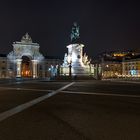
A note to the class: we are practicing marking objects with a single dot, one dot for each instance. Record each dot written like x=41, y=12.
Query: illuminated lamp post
x=57, y=70
x=69, y=62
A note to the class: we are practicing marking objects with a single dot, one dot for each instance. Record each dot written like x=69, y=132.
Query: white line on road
x=130, y=82
x=24, y=106
x=122, y=81
x=101, y=94
x=28, y=89
x=73, y=92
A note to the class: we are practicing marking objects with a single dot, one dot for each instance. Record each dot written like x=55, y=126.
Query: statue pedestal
x=75, y=58
x=75, y=54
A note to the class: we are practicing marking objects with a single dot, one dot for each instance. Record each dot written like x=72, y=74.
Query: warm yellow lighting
x=107, y=66
x=69, y=59
x=119, y=54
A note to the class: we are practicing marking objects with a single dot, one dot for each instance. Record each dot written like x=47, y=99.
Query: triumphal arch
x=25, y=58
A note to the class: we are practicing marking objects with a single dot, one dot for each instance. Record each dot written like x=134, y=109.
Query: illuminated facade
x=120, y=65
x=131, y=67
x=111, y=69
x=26, y=61
x=25, y=58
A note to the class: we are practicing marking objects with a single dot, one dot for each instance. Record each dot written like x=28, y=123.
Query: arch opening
x=26, y=67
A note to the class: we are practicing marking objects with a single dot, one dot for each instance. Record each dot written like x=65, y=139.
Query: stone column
x=43, y=69
x=18, y=63
x=34, y=63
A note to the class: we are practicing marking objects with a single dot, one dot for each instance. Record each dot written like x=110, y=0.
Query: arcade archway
x=26, y=67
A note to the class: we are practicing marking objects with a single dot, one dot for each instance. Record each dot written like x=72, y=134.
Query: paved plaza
x=69, y=110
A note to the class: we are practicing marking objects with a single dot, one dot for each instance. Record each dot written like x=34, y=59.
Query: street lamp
x=70, y=68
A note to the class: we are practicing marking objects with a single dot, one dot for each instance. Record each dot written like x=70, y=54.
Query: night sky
x=104, y=25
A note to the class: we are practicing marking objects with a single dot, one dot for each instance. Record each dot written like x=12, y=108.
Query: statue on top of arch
x=26, y=38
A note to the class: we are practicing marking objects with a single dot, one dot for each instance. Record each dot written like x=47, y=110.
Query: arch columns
x=35, y=63
x=18, y=64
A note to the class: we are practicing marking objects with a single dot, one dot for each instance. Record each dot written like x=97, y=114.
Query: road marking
x=24, y=106
x=73, y=92
x=130, y=82
x=122, y=81
x=101, y=94
x=30, y=89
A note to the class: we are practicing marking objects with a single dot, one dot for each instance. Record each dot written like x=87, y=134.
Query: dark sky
x=104, y=25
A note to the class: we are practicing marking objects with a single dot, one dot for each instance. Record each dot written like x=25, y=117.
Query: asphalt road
x=86, y=110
